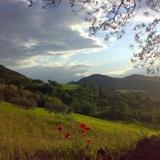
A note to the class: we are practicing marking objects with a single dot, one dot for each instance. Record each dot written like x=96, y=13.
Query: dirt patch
x=147, y=149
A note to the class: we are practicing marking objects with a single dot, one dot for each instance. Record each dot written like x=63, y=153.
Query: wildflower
x=87, y=129
x=82, y=125
x=67, y=135
x=84, y=128
x=84, y=132
x=60, y=128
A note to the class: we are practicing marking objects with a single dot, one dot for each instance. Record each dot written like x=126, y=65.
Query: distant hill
x=12, y=77
x=133, y=82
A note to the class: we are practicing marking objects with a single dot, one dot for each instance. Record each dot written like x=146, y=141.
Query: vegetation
x=8, y=76
x=48, y=120
x=70, y=86
x=54, y=131
x=84, y=99
x=33, y=134
x=133, y=83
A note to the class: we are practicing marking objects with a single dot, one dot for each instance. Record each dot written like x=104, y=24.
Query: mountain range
x=132, y=82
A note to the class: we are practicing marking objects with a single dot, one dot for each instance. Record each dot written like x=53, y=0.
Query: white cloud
x=28, y=44
x=85, y=74
x=83, y=31
x=141, y=17
x=119, y=73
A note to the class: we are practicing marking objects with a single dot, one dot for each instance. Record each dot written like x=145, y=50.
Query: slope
x=32, y=133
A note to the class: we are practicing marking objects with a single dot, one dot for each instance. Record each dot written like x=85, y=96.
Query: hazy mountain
x=133, y=82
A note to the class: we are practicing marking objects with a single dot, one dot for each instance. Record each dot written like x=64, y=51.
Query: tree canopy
x=112, y=16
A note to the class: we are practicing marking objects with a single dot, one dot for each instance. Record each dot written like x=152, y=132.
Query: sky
x=54, y=44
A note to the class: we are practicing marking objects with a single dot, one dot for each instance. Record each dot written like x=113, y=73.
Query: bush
x=87, y=108
x=56, y=105
x=10, y=91
x=120, y=110
x=24, y=102
x=1, y=92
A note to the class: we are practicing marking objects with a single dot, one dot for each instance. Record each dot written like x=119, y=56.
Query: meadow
x=25, y=134
x=70, y=86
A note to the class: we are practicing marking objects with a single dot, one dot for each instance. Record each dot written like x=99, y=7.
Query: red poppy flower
x=84, y=128
x=67, y=135
x=82, y=125
x=87, y=129
x=83, y=131
x=60, y=128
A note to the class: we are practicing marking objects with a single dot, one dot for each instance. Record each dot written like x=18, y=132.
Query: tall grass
x=23, y=133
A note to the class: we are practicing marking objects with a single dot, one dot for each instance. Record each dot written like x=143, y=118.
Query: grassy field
x=68, y=86
x=26, y=133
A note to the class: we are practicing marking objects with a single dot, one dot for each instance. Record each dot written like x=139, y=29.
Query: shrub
x=10, y=91
x=84, y=107
x=56, y=105
x=120, y=110
x=24, y=102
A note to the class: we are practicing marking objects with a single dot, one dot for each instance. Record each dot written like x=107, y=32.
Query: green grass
x=70, y=86
x=26, y=132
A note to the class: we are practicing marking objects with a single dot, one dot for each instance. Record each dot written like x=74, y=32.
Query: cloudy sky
x=53, y=44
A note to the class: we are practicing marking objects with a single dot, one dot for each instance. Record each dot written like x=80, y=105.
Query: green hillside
x=9, y=76
x=116, y=104
x=30, y=134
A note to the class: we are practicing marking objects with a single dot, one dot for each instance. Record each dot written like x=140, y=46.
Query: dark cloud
x=26, y=32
